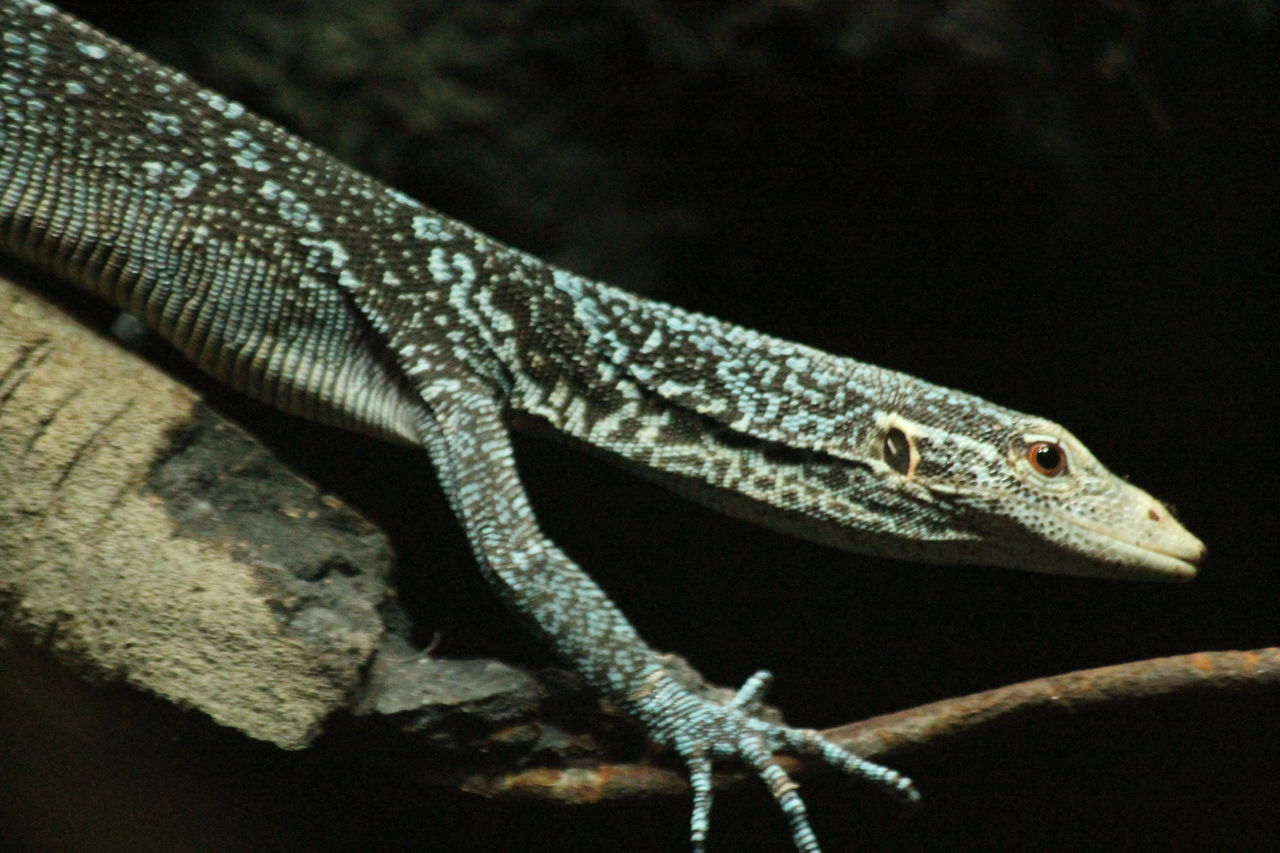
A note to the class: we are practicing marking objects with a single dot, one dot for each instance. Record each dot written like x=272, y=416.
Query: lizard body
x=314, y=288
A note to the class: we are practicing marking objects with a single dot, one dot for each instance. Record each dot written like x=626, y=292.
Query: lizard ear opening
x=899, y=452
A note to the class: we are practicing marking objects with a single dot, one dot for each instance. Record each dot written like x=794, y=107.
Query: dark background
x=1068, y=208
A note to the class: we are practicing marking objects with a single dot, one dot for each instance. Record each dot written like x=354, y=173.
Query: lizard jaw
x=1175, y=561
x=1151, y=545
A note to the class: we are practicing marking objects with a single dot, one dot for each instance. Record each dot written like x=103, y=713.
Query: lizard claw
x=702, y=730
x=751, y=694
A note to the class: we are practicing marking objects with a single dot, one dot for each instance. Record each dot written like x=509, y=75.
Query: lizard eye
x=1047, y=458
x=898, y=451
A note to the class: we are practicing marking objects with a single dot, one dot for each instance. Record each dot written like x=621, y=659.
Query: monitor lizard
x=316, y=289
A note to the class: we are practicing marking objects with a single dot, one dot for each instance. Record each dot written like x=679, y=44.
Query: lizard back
x=167, y=199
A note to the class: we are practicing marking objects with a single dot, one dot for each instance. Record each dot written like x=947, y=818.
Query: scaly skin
x=314, y=288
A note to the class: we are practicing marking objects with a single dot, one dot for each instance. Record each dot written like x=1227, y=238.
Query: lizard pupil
x=1047, y=458
x=897, y=451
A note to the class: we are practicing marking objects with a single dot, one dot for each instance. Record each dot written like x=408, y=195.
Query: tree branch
x=934, y=724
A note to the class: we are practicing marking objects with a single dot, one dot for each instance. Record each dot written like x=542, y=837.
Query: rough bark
x=146, y=540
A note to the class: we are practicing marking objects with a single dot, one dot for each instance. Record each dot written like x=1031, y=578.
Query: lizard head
x=901, y=468
x=1025, y=493
x=866, y=458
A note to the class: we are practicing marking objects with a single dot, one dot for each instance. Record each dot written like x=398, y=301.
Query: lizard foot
x=702, y=730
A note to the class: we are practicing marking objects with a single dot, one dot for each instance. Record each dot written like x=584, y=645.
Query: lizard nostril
x=1153, y=514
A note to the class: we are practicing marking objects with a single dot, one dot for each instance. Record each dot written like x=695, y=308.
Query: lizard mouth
x=1156, y=562
x=1163, y=550
x=1153, y=547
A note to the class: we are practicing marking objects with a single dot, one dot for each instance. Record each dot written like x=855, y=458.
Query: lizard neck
x=751, y=425
x=623, y=373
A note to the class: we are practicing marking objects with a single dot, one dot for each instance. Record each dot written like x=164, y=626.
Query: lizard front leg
x=468, y=440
